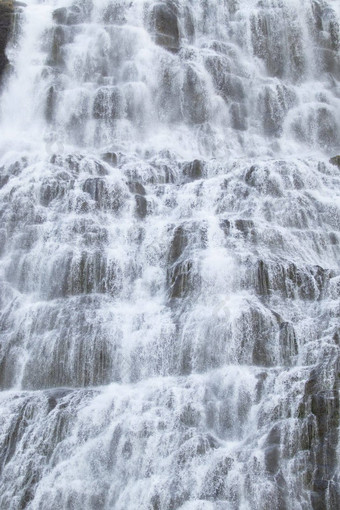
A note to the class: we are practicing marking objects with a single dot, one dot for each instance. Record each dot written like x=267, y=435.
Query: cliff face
x=170, y=255
x=5, y=26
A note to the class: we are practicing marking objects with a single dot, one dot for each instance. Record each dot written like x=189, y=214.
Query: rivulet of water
x=170, y=255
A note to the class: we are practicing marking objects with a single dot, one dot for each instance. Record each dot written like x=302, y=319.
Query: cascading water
x=169, y=240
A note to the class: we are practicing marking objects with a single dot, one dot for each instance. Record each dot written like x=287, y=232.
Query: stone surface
x=141, y=206
x=335, y=161
x=164, y=27
x=194, y=170
x=108, y=103
x=110, y=157
x=5, y=30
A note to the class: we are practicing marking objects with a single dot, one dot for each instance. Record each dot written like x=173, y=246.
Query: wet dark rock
x=288, y=343
x=92, y=233
x=16, y=431
x=179, y=275
x=114, y=13
x=244, y=226
x=226, y=226
x=319, y=435
x=27, y=239
x=56, y=57
x=113, y=447
x=169, y=100
x=141, y=206
x=189, y=416
x=227, y=85
x=308, y=431
x=317, y=14
x=50, y=104
x=54, y=395
x=283, y=492
x=238, y=114
x=261, y=356
x=7, y=368
x=239, y=228
x=90, y=274
x=179, y=242
x=19, y=434
x=137, y=188
x=189, y=25
x=30, y=482
x=108, y=103
x=164, y=27
x=262, y=280
x=165, y=175
x=3, y=180
x=3, y=239
x=273, y=105
x=71, y=361
x=328, y=130
x=51, y=189
x=215, y=483
x=250, y=176
x=318, y=126
x=257, y=331
x=98, y=191
x=335, y=161
x=69, y=274
x=99, y=168
x=329, y=61
x=155, y=502
x=110, y=157
x=309, y=283
x=5, y=30
x=326, y=35
x=195, y=446
x=71, y=162
x=178, y=494
x=75, y=163
x=77, y=13
x=75, y=16
x=194, y=97
x=194, y=170
x=272, y=450
x=127, y=450
x=263, y=180
x=260, y=385
x=268, y=42
x=180, y=279
x=60, y=15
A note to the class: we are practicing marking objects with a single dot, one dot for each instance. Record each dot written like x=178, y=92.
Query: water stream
x=170, y=256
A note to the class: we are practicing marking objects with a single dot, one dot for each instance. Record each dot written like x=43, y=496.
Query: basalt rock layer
x=5, y=28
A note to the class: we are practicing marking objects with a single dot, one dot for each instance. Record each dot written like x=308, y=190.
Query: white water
x=169, y=330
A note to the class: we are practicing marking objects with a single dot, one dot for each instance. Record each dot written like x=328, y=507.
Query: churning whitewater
x=170, y=255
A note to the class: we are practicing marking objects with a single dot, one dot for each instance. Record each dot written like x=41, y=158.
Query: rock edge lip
x=335, y=161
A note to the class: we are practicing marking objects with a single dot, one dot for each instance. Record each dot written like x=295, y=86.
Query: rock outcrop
x=335, y=161
x=6, y=9
x=164, y=26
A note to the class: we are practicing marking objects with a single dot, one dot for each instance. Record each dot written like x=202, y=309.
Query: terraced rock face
x=5, y=27
x=169, y=256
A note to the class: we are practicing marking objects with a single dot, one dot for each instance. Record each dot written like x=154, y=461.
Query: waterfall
x=169, y=255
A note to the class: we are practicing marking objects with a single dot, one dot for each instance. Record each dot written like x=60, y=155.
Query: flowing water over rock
x=170, y=249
